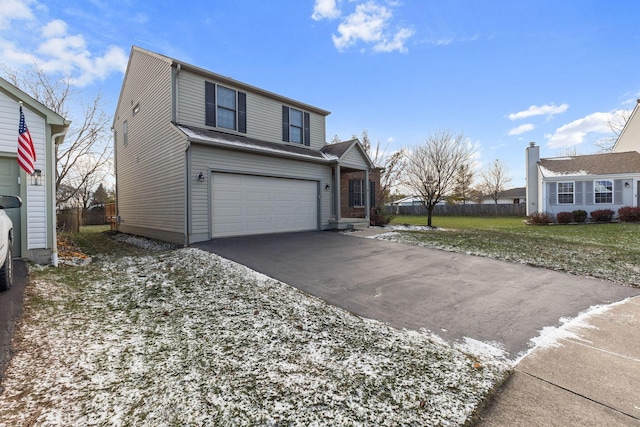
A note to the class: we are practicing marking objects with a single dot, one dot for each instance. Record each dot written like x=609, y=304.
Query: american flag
x=26, y=150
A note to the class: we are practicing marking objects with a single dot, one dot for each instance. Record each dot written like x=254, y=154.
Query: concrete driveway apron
x=453, y=295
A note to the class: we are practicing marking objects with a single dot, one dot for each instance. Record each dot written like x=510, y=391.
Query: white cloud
x=548, y=110
x=56, y=28
x=369, y=23
x=397, y=43
x=574, y=133
x=522, y=129
x=13, y=10
x=58, y=51
x=325, y=9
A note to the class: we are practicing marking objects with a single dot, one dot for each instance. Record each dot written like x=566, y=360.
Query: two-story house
x=589, y=182
x=200, y=156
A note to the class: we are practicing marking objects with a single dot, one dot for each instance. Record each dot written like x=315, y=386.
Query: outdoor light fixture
x=627, y=185
x=35, y=177
x=327, y=187
x=201, y=177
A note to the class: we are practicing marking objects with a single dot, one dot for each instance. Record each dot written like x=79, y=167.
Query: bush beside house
x=629, y=214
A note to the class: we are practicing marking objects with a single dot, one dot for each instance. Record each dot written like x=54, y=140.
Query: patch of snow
x=143, y=243
x=550, y=174
x=186, y=337
x=552, y=336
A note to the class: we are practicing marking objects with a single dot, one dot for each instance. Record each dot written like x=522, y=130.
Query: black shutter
x=210, y=103
x=372, y=196
x=285, y=123
x=242, y=112
x=307, y=130
x=351, y=184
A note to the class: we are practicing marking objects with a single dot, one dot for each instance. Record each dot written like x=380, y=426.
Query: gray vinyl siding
x=264, y=114
x=584, y=196
x=150, y=169
x=209, y=159
x=354, y=157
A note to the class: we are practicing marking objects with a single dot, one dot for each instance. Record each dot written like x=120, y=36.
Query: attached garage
x=249, y=204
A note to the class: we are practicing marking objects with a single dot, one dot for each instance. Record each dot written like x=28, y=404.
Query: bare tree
x=432, y=168
x=86, y=142
x=495, y=179
x=391, y=163
x=616, y=125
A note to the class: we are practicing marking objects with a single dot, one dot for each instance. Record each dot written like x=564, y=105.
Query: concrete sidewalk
x=589, y=379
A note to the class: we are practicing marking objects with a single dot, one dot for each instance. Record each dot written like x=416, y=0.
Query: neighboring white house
x=199, y=156
x=34, y=223
x=591, y=182
x=407, y=201
x=511, y=196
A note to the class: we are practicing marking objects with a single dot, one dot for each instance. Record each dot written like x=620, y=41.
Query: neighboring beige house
x=591, y=182
x=200, y=156
x=514, y=195
x=34, y=224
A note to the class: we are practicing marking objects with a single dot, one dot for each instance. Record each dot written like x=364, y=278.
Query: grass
x=183, y=337
x=604, y=251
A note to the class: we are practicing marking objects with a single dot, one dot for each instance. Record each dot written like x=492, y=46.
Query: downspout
x=52, y=189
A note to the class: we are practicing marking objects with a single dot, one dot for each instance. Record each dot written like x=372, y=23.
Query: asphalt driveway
x=453, y=295
x=10, y=311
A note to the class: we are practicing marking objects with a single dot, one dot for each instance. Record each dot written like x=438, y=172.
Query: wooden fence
x=485, y=209
x=69, y=220
x=72, y=219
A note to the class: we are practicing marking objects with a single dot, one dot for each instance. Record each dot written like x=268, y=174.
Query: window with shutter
x=356, y=193
x=296, y=126
x=565, y=193
x=603, y=191
x=225, y=108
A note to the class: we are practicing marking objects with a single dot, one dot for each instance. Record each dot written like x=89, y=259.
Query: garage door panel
x=245, y=204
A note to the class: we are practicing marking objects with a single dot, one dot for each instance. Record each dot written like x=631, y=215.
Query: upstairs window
x=603, y=191
x=565, y=193
x=225, y=108
x=295, y=126
x=125, y=133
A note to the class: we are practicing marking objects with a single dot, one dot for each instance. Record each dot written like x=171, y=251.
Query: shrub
x=380, y=218
x=564, y=217
x=602, y=215
x=579, y=215
x=540, y=218
x=629, y=214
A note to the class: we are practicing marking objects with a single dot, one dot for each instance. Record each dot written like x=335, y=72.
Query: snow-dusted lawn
x=604, y=257
x=184, y=337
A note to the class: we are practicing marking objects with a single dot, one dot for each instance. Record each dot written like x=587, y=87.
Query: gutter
x=52, y=188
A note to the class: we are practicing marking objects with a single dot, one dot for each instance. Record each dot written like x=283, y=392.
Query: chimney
x=533, y=180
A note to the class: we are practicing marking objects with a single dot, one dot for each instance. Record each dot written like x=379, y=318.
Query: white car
x=6, y=241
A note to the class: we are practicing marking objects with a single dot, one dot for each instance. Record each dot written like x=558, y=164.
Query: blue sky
x=502, y=73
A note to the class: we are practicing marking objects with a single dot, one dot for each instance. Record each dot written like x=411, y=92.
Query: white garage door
x=246, y=204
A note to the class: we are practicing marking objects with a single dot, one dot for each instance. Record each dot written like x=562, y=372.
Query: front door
x=9, y=173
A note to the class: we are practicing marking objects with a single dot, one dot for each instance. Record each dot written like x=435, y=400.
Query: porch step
x=350, y=224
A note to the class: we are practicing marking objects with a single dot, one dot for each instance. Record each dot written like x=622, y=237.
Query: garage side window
x=225, y=108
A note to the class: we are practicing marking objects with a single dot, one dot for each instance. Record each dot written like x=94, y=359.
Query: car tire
x=6, y=271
